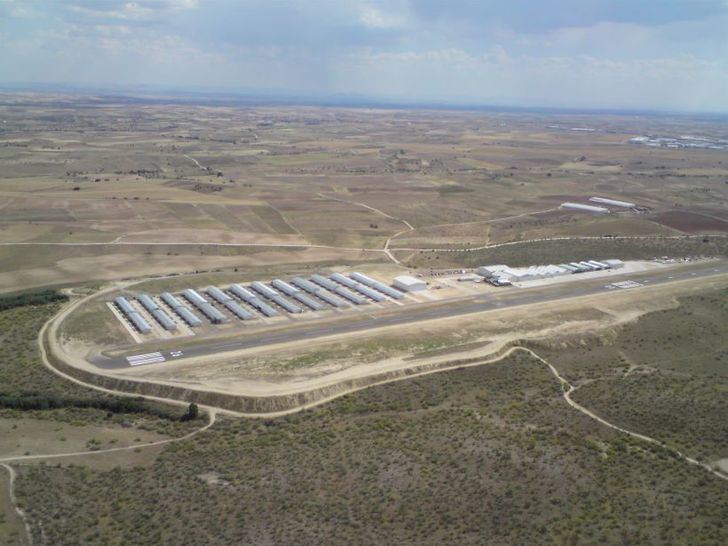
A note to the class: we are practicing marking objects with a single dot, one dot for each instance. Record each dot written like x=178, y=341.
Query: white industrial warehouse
x=585, y=208
x=612, y=202
x=500, y=274
x=598, y=209
x=407, y=283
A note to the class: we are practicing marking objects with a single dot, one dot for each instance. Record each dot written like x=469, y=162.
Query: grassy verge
x=575, y=250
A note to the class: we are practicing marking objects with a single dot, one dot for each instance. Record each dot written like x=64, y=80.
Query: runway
x=510, y=297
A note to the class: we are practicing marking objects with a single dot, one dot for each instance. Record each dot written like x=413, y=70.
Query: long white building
x=519, y=274
x=585, y=208
x=613, y=202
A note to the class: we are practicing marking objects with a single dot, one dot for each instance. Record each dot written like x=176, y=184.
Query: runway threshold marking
x=148, y=358
x=625, y=284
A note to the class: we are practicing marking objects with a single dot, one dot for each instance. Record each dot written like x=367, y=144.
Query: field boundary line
x=386, y=250
x=381, y=213
x=116, y=242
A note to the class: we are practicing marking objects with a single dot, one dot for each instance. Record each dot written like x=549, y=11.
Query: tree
x=192, y=412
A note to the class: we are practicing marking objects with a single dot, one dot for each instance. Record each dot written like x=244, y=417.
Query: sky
x=640, y=54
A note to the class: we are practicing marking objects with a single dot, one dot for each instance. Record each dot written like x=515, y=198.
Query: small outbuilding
x=409, y=284
x=614, y=264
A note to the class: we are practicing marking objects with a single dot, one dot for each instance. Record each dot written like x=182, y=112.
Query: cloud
x=374, y=17
x=529, y=16
x=495, y=76
x=665, y=53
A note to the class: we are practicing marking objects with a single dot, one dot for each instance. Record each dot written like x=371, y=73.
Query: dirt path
x=385, y=249
x=381, y=213
x=375, y=210
x=200, y=165
x=13, y=500
x=568, y=389
x=117, y=242
x=389, y=240
x=492, y=220
x=52, y=338
x=212, y=413
x=49, y=340
x=476, y=222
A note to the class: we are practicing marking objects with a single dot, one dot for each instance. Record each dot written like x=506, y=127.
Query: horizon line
x=227, y=96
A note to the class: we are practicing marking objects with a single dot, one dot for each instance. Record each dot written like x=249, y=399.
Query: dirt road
x=212, y=416
x=13, y=500
x=568, y=389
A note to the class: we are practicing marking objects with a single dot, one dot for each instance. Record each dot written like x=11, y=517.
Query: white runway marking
x=148, y=358
x=625, y=284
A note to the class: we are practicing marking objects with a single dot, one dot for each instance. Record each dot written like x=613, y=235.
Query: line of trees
x=36, y=401
x=40, y=297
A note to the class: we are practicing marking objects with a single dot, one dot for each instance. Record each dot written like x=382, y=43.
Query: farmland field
x=93, y=179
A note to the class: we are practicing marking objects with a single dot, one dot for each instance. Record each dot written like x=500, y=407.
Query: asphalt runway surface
x=510, y=297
